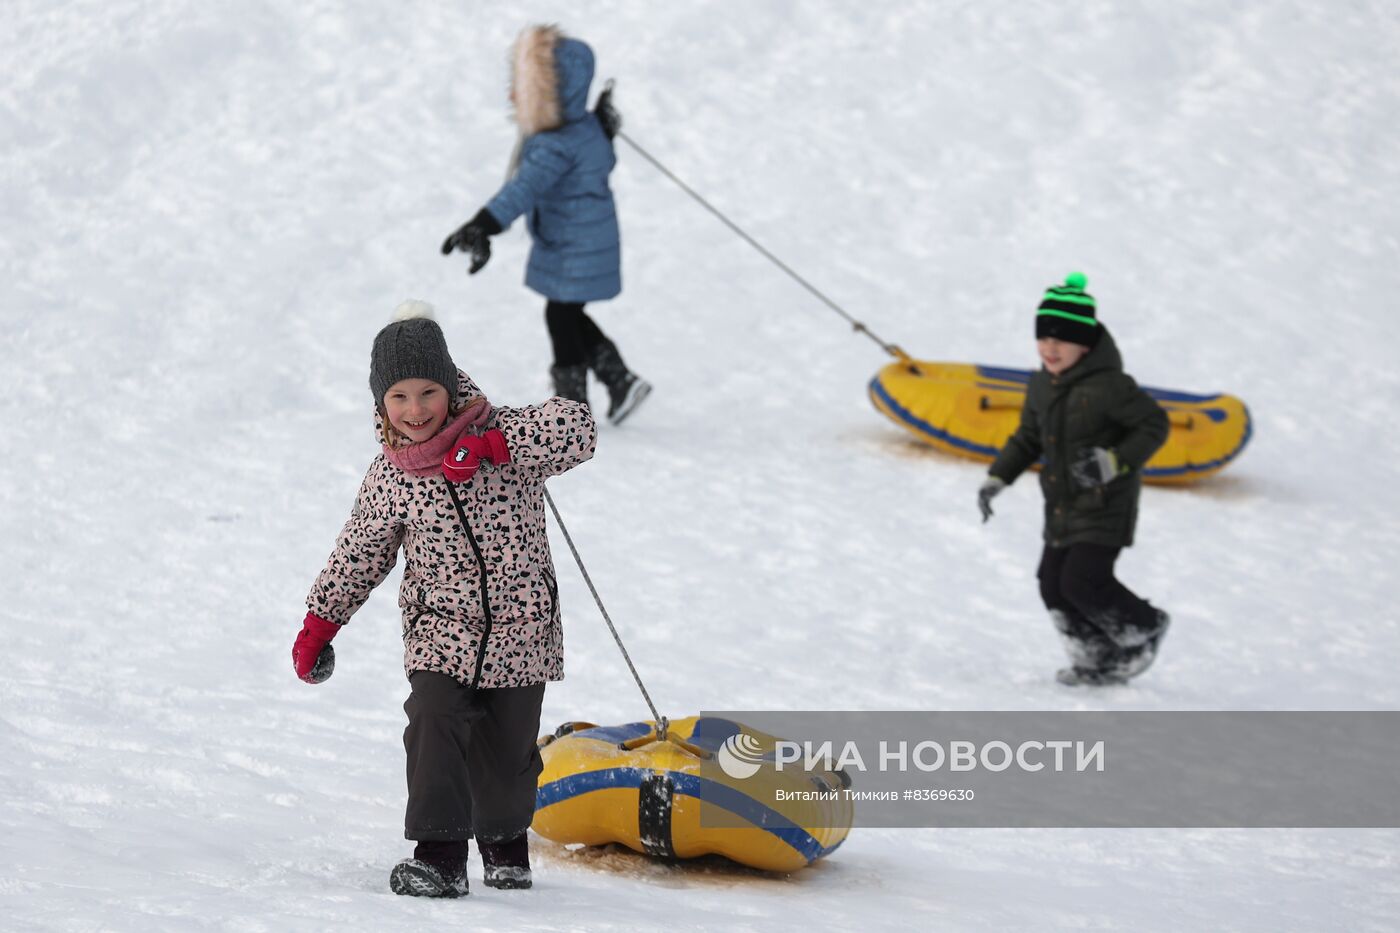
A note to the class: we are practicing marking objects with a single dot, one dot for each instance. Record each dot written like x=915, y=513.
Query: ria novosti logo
x=740, y=756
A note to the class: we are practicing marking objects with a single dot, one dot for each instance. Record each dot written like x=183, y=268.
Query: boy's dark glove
x=606, y=113
x=474, y=237
x=462, y=461
x=312, y=654
x=1096, y=466
x=989, y=491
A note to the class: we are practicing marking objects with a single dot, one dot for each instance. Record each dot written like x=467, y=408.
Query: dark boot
x=1095, y=659
x=625, y=389
x=506, y=864
x=1087, y=647
x=1091, y=653
x=437, y=869
x=571, y=382
x=1131, y=626
x=1133, y=661
x=1128, y=664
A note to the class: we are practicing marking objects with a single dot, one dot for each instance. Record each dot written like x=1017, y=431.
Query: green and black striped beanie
x=1067, y=313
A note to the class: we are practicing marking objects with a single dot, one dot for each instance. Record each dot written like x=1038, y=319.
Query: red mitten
x=462, y=461
x=312, y=654
x=496, y=450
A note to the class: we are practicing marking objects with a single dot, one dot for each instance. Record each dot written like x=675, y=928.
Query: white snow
x=207, y=210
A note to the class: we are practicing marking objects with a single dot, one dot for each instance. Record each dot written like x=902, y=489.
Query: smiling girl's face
x=416, y=408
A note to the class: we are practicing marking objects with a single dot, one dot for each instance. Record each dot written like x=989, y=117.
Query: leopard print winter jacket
x=480, y=602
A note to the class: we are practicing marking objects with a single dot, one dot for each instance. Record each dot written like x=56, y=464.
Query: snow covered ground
x=207, y=210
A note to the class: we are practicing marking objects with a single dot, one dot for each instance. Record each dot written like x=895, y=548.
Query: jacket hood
x=574, y=63
x=549, y=79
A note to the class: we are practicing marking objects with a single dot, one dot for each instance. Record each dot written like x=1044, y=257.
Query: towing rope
x=858, y=326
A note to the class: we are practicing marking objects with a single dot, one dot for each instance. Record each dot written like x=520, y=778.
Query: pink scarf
x=425, y=458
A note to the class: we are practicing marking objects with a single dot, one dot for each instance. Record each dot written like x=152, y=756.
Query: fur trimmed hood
x=549, y=79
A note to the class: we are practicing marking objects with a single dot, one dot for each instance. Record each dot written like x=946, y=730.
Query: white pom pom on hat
x=413, y=308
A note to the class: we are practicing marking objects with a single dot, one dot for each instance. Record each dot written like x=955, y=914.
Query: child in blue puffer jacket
x=559, y=182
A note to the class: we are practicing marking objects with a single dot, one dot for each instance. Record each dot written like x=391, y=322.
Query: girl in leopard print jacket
x=459, y=488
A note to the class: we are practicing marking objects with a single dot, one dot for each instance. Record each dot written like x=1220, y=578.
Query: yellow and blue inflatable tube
x=971, y=411
x=628, y=785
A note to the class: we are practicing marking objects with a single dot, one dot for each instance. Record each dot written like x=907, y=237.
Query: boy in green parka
x=1092, y=428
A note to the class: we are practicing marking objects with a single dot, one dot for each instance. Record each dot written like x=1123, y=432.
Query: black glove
x=989, y=491
x=606, y=113
x=1096, y=466
x=474, y=237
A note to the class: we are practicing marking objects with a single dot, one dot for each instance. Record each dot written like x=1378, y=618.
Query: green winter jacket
x=1093, y=404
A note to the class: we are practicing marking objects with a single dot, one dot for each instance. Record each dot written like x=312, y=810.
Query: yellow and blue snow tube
x=628, y=785
x=971, y=410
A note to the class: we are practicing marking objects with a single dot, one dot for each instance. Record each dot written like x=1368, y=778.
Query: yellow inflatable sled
x=650, y=791
x=971, y=410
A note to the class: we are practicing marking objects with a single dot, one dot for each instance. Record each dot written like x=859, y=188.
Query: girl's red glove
x=312, y=654
x=462, y=461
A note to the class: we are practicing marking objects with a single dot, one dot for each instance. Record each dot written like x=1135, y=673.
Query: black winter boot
x=437, y=869
x=1131, y=627
x=1087, y=647
x=506, y=865
x=571, y=382
x=1133, y=661
x=625, y=389
x=1096, y=660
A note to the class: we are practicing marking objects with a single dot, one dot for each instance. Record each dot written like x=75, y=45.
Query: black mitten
x=474, y=237
x=606, y=113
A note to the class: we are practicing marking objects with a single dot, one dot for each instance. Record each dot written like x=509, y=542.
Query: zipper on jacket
x=553, y=588
x=1058, y=406
x=485, y=596
x=1057, y=423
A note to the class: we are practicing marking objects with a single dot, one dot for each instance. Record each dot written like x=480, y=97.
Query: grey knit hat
x=411, y=347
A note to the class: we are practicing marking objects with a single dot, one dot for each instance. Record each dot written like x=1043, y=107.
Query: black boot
x=1127, y=664
x=1131, y=626
x=1096, y=661
x=1133, y=661
x=506, y=864
x=571, y=381
x=1087, y=647
x=437, y=869
x=625, y=389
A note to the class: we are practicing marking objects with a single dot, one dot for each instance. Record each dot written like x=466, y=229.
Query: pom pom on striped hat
x=1067, y=312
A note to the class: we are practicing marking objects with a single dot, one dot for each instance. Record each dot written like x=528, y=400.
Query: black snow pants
x=1091, y=608
x=472, y=759
x=572, y=332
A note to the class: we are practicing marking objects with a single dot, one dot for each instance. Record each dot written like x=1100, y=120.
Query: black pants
x=1079, y=580
x=572, y=332
x=472, y=759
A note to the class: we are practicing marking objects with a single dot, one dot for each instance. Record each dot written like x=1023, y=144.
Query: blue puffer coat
x=561, y=186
